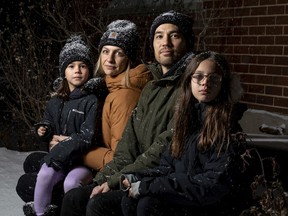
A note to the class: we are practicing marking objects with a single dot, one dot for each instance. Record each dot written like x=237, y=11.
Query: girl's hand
x=41, y=131
x=56, y=139
x=100, y=189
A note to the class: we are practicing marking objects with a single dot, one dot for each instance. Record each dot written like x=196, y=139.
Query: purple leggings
x=47, y=178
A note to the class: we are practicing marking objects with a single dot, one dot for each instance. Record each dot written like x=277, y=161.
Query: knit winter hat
x=121, y=33
x=183, y=22
x=75, y=49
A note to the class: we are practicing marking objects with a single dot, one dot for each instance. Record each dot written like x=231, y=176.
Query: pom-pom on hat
x=183, y=22
x=121, y=33
x=75, y=49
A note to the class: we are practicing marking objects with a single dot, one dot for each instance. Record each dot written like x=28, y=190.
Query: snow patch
x=10, y=170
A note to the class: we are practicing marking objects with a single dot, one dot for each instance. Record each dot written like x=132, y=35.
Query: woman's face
x=206, y=82
x=113, y=60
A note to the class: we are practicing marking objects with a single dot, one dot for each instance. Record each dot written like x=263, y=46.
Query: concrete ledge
x=267, y=141
x=253, y=119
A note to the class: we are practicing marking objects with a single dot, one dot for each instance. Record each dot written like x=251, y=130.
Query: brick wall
x=253, y=34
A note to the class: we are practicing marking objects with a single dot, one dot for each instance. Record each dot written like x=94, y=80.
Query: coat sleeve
x=127, y=157
x=208, y=187
x=73, y=148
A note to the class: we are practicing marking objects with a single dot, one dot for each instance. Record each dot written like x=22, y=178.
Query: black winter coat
x=77, y=118
x=197, y=179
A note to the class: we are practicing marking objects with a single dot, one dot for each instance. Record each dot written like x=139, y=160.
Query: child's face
x=113, y=60
x=77, y=74
x=206, y=82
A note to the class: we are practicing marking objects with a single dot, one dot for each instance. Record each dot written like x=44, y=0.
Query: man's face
x=169, y=45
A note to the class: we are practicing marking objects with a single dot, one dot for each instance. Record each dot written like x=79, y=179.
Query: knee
x=69, y=198
x=94, y=206
x=71, y=183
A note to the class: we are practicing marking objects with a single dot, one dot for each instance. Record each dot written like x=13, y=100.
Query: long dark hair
x=215, y=128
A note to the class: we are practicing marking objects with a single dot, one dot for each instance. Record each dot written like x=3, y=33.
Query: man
x=148, y=131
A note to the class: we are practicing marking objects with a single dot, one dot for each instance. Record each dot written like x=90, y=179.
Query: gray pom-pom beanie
x=75, y=49
x=121, y=33
x=184, y=23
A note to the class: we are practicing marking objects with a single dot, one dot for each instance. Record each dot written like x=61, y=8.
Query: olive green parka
x=149, y=129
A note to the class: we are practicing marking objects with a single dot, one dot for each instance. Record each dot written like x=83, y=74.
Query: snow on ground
x=10, y=170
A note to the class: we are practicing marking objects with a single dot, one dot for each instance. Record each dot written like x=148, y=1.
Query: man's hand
x=100, y=189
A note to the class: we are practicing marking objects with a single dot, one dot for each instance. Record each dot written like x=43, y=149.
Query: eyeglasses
x=212, y=78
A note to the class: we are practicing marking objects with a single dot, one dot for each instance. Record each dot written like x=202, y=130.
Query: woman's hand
x=100, y=189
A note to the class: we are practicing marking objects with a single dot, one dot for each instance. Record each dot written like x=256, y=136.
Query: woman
x=117, y=50
x=203, y=165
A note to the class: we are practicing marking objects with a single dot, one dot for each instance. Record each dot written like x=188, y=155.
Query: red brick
x=235, y=4
x=274, y=50
x=251, y=3
x=280, y=20
x=275, y=30
x=256, y=89
x=247, y=78
x=266, y=40
x=234, y=40
x=264, y=60
x=281, y=40
x=264, y=100
x=282, y=1
x=241, y=49
x=276, y=9
x=242, y=12
x=242, y=68
x=240, y=30
x=273, y=90
x=276, y=70
x=248, y=59
x=249, y=40
x=250, y=21
x=245, y=87
x=286, y=28
x=249, y=97
x=257, y=30
x=267, y=20
x=281, y=60
x=264, y=79
x=281, y=81
x=257, y=69
x=259, y=11
x=285, y=92
x=267, y=2
x=257, y=50
x=282, y=102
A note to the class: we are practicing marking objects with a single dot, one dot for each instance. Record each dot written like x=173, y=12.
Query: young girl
x=203, y=166
x=69, y=126
x=117, y=49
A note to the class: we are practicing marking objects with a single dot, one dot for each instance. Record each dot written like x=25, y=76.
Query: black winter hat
x=121, y=33
x=75, y=49
x=183, y=22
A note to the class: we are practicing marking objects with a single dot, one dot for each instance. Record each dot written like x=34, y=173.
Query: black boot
x=28, y=209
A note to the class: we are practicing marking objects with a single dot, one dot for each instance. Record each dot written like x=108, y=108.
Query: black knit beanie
x=75, y=49
x=121, y=33
x=184, y=23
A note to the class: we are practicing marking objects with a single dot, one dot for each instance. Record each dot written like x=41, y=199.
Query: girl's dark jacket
x=77, y=118
x=197, y=178
x=149, y=128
